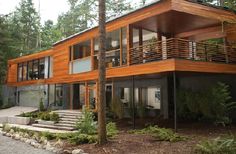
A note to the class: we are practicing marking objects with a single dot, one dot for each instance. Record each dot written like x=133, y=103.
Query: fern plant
x=219, y=145
x=87, y=125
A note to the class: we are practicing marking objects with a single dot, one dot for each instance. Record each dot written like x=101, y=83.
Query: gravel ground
x=10, y=146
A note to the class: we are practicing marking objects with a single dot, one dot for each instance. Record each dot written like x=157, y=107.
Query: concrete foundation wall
x=8, y=95
x=30, y=96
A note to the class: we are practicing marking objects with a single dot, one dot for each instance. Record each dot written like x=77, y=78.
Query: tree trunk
x=102, y=138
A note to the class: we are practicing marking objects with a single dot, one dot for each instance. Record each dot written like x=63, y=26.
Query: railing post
x=205, y=52
x=129, y=35
x=225, y=51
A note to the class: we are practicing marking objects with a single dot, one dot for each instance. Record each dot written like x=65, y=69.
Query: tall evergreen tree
x=49, y=34
x=117, y=8
x=26, y=21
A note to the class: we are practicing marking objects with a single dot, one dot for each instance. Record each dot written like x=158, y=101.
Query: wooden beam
x=199, y=31
x=203, y=10
x=37, y=55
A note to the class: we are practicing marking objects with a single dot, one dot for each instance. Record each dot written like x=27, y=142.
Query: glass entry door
x=92, y=96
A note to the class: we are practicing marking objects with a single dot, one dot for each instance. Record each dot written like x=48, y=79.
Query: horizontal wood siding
x=12, y=73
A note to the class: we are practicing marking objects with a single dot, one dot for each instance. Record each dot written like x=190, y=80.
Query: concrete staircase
x=68, y=119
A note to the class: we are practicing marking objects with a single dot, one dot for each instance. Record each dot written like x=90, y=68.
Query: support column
x=133, y=103
x=175, y=105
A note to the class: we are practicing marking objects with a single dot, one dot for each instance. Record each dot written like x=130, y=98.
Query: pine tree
x=50, y=34
x=27, y=24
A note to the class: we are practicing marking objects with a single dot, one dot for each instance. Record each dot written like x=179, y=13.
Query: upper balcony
x=182, y=49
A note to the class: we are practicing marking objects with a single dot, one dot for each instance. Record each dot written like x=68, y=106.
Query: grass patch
x=161, y=134
x=219, y=145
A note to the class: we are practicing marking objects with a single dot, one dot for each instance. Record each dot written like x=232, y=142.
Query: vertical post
x=140, y=45
x=71, y=96
x=86, y=95
x=225, y=50
x=175, y=105
x=129, y=35
x=133, y=103
x=48, y=96
x=92, y=53
x=121, y=47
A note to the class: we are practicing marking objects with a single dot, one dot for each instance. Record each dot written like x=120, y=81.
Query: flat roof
x=140, y=8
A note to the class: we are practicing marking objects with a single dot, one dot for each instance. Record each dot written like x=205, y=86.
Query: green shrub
x=83, y=139
x=162, y=134
x=54, y=117
x=45, y=116
x=219, y=145
x=48, y=135
x=111, y=129
x=213, y=104
x=87, y=125
x=117, y=108
x=41, y=106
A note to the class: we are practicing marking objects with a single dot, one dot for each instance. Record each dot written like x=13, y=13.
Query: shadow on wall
x=7, y=96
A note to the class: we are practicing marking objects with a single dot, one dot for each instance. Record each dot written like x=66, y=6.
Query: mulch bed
x=126, y=143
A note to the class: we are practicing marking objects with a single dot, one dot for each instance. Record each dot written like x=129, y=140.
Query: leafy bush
x=45, y=116
x=87, y=125
x=162, y=134
x=48, y=135
x=54, y=117
x=212, y=104
x=41, y=106
x=117, y=108
x=111, y=129
x=83, y=138
x=219, y=145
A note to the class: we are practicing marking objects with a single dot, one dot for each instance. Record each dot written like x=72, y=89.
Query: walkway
x=10, y=146
x=16, y=110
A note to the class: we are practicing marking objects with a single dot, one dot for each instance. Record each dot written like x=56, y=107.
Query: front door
x=92, y=96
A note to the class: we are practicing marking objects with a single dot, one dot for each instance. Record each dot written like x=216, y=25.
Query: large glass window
x=20, y=71
x=24, y=74
x=80, y=50
x=31, y=70
x=41, y=68
x=35, y=68
x=116, y=46
x=124, y=46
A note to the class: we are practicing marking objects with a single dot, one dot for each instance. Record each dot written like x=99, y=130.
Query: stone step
x=71, y=117
x=68, y=119
x=68, y=122
x=69, y=112
x=64, y=125
x=54, y=127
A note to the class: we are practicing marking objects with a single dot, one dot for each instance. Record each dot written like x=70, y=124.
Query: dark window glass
x=30, y=70
x=35, y=68
x=20, y=67
x=24, y=70
x=80, y=50
x=41, y=68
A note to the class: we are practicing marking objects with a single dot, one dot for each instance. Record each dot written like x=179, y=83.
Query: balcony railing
x=182, y=49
